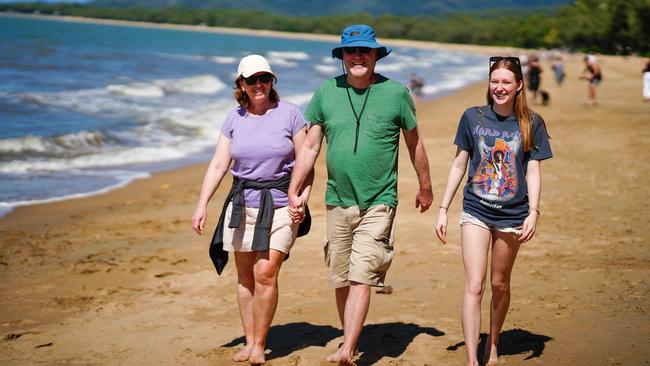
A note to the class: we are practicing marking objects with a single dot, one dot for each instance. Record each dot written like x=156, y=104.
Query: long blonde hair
x=523, y=114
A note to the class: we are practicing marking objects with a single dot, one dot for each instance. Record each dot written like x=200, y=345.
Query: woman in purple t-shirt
x=260, y=138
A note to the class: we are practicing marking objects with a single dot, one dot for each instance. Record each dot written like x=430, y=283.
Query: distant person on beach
x=361, y=114
x=416, y=84
x=558, y=69
x=646, y=81
x=534, y=76
x=593, y=74
x=503, y=142
x=261, y=137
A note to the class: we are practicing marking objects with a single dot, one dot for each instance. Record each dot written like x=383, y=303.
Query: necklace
x=358, y=116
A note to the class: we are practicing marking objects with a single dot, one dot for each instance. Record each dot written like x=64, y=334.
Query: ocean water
x=85, y=108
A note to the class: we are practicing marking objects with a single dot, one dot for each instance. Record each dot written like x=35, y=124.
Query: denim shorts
x=467, y=219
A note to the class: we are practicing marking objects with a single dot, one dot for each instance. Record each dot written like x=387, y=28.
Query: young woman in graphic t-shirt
x=503, y=143
x=260, y=139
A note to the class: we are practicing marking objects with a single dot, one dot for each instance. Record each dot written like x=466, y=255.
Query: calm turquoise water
x=85, y=108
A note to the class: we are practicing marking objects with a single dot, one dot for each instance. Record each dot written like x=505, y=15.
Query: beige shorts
x=359, y=244
x=283, y=231
x=467, y=219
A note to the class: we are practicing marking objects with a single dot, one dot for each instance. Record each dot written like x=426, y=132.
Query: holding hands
x=297, y=208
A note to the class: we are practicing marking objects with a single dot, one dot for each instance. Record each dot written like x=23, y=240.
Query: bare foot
x=242, y=355
x=334, y=357
x=345, y=357
x=490, y=357
x=346, y=361
x=257, y=356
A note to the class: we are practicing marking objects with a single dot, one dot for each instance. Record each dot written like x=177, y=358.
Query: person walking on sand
x=593, y=74
x=534, y=76
x=646, y=81
x=504, y=143
x=558, y=69
x=261, y=136
x=416, y=84
x=361, y=114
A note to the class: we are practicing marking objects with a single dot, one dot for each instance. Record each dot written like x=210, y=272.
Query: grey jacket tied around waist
x=263, y=223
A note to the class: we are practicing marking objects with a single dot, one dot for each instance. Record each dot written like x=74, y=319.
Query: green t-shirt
x=369, y=176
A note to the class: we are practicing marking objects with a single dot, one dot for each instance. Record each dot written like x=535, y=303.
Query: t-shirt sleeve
x=464, y=134
x=227, y=127
x=297, y=121
x=408, y=120
x=314, y=112
x=541, y=146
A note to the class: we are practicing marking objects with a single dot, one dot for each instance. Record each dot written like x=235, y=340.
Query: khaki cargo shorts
x=359, y=244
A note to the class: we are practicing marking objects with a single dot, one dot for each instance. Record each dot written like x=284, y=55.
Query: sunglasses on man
x=353, y=50
x=514, y=60
x=264, y=79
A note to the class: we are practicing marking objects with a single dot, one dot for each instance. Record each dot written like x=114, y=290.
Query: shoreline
x=7, y=208
x=270, y=33
x=110, y=278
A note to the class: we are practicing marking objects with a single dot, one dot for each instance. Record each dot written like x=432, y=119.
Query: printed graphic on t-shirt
x=495, y=179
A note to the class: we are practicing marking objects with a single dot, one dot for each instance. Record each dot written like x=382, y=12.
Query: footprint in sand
x=165, y=274
x=13, y=336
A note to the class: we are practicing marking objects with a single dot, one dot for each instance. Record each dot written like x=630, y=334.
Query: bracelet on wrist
x=536, y=210
x=446, y=208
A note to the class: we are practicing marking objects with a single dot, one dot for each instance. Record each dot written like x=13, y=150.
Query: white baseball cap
x=252, y=64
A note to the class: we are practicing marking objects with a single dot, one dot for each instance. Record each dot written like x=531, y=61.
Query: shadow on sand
x=389, y=340
x=377, y=340
x=287, y=338
x=513, y=342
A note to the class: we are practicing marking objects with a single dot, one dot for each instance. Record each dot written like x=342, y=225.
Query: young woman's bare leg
x=504, y=252
x=475, y=243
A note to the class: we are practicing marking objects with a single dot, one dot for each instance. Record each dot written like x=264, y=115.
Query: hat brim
x=382, y=51
x=253, y=72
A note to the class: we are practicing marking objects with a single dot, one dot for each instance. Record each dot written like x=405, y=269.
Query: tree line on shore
x=604, y=26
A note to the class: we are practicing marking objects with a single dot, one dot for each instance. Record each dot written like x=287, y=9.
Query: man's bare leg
x=356, y=309
x=341, y=298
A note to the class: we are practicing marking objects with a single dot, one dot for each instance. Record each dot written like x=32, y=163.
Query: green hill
x=329, y=7
x=608, y=26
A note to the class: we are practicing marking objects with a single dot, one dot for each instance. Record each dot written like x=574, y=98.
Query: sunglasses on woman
x=264, y=78
x=514, y=60
x=353, y=50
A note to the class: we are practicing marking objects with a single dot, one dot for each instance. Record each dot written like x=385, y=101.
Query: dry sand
x=121, y=279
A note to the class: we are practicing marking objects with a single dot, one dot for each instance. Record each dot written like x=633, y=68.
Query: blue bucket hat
x=359, y=35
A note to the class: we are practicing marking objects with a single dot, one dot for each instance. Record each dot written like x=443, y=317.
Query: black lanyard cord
x=358, y=116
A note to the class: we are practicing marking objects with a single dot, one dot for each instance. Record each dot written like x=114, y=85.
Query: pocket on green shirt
x=377, y=127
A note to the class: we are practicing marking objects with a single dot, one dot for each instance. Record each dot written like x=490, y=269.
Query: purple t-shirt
x=262, y=147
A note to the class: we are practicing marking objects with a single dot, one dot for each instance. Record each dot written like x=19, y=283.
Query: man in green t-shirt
x=361, y=114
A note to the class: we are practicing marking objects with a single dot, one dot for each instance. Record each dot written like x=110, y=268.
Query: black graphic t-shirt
x=496, y=191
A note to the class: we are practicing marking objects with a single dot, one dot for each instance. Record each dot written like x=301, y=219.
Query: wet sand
x=121, y=279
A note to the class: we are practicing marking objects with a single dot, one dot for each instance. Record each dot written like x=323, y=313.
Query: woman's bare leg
x=265, y=300
x=245, y=290
x=504, y=252
x=475, y=243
